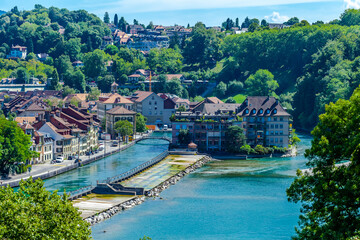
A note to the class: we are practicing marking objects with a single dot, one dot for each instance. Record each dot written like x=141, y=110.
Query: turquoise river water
x=232, y=199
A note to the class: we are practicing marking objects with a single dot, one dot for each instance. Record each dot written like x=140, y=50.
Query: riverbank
x=151, y=193
x=47, y=170
x=225, y=155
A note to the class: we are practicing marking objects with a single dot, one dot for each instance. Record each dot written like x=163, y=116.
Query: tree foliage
x=330, y=194
x=35, y=213
x=14, y=146
x=124, y=128
x=140, y=123
x=262, y=83
x=235, y=138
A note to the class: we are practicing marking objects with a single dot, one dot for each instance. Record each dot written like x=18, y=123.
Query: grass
x=238, y=98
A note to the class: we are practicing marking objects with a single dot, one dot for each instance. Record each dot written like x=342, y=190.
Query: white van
x=165, y=127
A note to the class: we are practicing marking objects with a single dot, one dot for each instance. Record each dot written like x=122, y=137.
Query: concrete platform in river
x=94, y=203
x=162, y=171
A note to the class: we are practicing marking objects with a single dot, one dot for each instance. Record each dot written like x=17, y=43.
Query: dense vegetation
x=329, y=194
x=307, y=66
x=32, y=212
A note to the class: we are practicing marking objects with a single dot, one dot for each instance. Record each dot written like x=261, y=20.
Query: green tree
x=79, y=81
x=22, y=75
x=116, y=19
x=235, y=138
x=111, y=50
x=161, y=85
x=14, y=146
x=32, y=212
x=124, y=128
x=253, y=26
x=220, y=89
x=181, y=109
x=94, y=63
x=184, y=137
x=329, y=194
x=106, y=18
x=104, y=83
x=262, y=83
x=67, y=91
x=292, y=21
x=140, y=123
x=94, y=94
x=54, y=81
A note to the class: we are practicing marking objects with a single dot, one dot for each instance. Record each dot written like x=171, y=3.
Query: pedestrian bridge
x=153, y=137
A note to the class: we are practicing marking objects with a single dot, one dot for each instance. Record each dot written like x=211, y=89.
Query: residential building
x=263, y=119
x=265, y=122
x=78, y=63
x=150, y=105
x=106, y=40
x=17, y=52
x=107, y=102
x=134, y=29
x=207, y=127
x=116, y=114
x=278, y=25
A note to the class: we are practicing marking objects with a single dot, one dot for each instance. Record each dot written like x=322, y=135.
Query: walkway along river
x=232, y=199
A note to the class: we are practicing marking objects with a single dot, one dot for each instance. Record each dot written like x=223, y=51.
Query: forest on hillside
x=305, y=65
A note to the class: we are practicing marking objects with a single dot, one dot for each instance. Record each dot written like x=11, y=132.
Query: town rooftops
x=114, y=98
x=172, y=76
x=140, y=96
x=78, y=96
x=119, y=110
x=261, y=106
x=29, y=120
x=217, y=108
x=35, y=107
x=20, y=48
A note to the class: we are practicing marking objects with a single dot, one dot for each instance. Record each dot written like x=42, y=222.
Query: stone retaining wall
x=151, y=193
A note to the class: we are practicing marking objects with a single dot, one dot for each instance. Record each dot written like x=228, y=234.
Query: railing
x=161, y=138
x=136, y=170
x=80, y=191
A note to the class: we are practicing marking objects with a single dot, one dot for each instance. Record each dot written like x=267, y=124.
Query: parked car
x=59, y=159
x=87, y=153
x=101, y=148
x=114, y=144
x=70, y=158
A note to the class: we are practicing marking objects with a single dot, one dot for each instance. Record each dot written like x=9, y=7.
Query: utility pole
x=150, y=82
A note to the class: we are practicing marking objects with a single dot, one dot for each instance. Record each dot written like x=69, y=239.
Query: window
x=177, y=127
x=272, y=140
x=281, y=140
x=275, y=118
x=244, y=119
x=184, y=126
x=276, y=126
x=246, y=111
x=272, y=132
x=281, y=119
x=253, y=111
x=267, y=111
x=267, y=133
x=281, y=133
x=190, y=127
x=155, y=103
x=261, y=111
x=276, y=140
x=275, y=111
x=152, y=97
x=276, y=132
x=269, y=119
x=149, y=103
x=272, y=126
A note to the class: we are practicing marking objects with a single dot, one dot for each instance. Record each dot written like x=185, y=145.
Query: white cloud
x=352, y=3
x=133, y=6
x=277, y=18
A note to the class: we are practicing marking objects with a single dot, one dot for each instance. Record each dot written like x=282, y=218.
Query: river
x=232, y=199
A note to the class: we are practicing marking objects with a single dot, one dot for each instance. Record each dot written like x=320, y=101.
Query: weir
x=128, y=189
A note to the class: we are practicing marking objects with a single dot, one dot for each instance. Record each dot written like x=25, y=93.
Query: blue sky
x=211, y=12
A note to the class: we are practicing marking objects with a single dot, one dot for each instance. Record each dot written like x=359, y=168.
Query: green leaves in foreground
x=330, y=195
x=35, y=213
